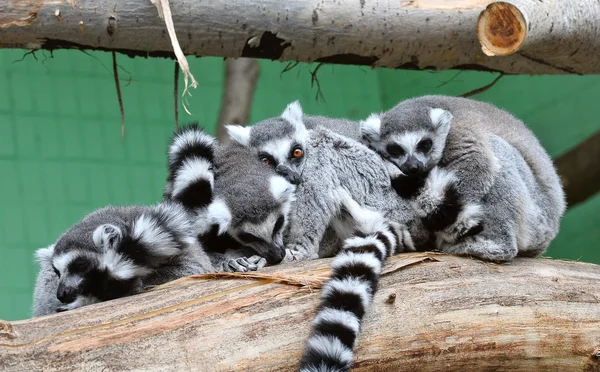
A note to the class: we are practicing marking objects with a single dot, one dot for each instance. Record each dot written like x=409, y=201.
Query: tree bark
x=579, y=170
x=241, y=76
x=561, y=34
x=401, y=34
x=449, y=313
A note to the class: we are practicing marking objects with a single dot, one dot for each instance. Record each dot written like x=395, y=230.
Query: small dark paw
x=446, y=213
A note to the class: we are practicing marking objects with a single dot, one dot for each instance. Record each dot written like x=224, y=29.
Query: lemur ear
x=218, y=214
x=370, y=128
x=107, y=237
x=440, y=118
x=44, y=254
x=239, y=133
x=293, y=113
x=281, y=189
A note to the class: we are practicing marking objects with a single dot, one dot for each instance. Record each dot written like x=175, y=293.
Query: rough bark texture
x=241, y=76
x=579, y=170
x=403, y=34
x=561, y=34
x=450, y=314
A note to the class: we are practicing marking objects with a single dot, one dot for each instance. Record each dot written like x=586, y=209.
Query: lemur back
x=450, y=168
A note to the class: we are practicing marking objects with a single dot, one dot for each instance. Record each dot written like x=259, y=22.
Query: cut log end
x=501, y=29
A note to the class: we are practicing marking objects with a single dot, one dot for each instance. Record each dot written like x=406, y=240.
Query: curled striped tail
x=190, y=177
x=346, y=297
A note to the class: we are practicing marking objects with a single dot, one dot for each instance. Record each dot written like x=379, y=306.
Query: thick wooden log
x=401, y=34
x=449, y=314
x=562, y=34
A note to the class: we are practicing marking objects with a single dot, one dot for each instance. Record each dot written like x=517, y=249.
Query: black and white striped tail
x=191, y=157
x=345, y=299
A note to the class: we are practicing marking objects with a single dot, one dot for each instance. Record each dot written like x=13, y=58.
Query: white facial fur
x=281, y=189
x=45, y=254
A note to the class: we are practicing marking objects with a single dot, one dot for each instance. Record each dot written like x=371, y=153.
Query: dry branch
x=241, y=76
x=579, y=170
x=401, y=34
x=449, y=313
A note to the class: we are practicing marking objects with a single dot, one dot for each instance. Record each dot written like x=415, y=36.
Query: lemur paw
x=244, y=264
x=439, y=189
x=468, y=223
x=405, y=243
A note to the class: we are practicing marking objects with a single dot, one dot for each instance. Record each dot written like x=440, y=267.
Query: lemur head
x=252, y=202
x=104, y=256
x=279, y=142
x=412, y=135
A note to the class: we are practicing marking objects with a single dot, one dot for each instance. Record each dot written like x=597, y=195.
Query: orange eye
x=265, y=160
x=297, y=153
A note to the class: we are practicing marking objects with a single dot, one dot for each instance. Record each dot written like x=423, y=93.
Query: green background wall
x=61, y=154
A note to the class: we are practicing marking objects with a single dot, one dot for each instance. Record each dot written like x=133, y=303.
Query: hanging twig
x=176, y=94
x=164, y=12
x=118, y=86
x=483, y=88
x=314, y=79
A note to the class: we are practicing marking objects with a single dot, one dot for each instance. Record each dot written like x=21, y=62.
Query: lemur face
x=92, y=269
x=279, y=142
x=413, y=141
x=258, y=221
x=98, y=261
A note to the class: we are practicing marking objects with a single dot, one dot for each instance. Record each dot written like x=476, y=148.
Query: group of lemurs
x=432, y=173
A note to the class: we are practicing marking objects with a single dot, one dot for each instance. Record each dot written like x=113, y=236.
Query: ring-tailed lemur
x=477, y=176
x=115, y=252
x=345, y=297
x=190, y=182
x=331, y=166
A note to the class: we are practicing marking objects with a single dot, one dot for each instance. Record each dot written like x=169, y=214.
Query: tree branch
x=394, y=34
x=579, y=170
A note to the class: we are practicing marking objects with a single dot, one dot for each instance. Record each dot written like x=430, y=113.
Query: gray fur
x=484, y=152
x=344, y=127
x=338, y=167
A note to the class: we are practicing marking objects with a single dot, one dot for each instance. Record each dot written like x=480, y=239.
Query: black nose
x=275, y=256
x=411, y=166
x=66, y=295
x=289, y=174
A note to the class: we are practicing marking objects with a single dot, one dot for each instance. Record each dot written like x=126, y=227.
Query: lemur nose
x=66, y=295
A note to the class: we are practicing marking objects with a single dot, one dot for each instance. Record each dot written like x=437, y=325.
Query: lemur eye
x=395, y=150
x=425, y=145
x=297, y=152
x=278, y=225
x=267, y=159
x=56, y=271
